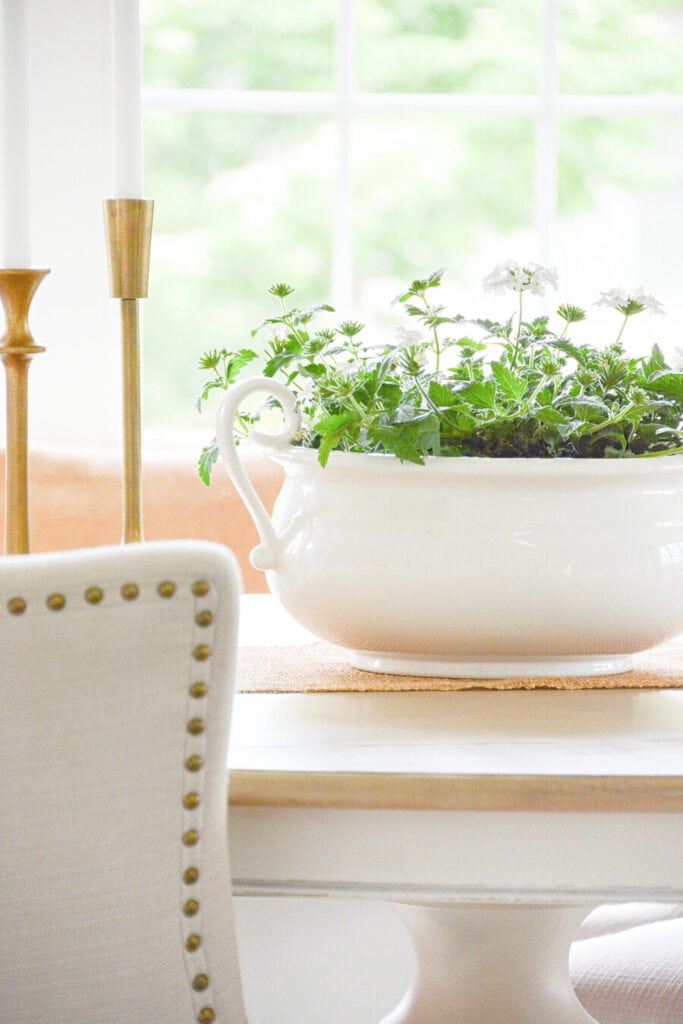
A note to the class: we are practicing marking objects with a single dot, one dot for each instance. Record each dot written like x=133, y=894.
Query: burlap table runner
x=321, y=668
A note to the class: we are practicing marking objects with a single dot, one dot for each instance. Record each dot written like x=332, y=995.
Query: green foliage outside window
x=247, y=198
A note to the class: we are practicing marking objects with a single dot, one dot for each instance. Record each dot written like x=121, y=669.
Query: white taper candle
x=14, y=127
x=127, y=94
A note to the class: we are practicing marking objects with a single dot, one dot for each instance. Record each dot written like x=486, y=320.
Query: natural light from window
x=348, y=147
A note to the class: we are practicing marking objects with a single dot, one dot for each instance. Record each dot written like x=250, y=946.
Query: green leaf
x=269, y=322
x=399, y=443
x=656, y=362
x=210, y=360
x=588, y=410
x=322, y=307
x=548, y=414
x=281, y=290
x=350, y=327
x=480, y=394
x=206, y=390
x=238, y=362
x=434, y=279
x=207, y=461
x=668, y=384
x=538, y=327
x=335, y=424
x=566, y=346
x=332, y=430
x=442, y=396
x=571, y=314
x=512, y=386
x=282, y=359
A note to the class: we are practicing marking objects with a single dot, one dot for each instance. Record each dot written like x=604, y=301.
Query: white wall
x=75, y=389
x=321, y=961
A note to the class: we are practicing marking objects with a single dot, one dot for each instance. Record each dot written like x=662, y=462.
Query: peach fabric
x=76, y=502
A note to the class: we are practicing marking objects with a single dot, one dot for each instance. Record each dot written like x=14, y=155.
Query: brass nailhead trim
x=197, y=690
x=94, y=595
x=16, y=606
x=55, y=602
x=129, y=591
x=166, y=588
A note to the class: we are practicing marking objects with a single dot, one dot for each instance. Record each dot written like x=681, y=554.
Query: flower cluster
x=517, y=278
x=628, y=304
x=451, y=385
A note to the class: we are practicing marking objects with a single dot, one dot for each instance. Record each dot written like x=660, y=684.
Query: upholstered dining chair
x=116, y=675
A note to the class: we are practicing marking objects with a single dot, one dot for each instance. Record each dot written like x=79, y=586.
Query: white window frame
x=546, y=108
x=75, y=385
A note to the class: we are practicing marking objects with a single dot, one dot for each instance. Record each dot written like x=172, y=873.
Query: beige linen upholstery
x=627, y=963
x=117, y=670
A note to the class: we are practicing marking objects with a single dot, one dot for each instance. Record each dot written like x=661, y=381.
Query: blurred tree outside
x=244, y=199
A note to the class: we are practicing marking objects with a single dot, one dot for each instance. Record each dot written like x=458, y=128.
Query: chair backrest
x=117, y=672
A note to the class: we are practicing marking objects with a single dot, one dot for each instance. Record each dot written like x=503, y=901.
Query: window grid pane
x=362, y=246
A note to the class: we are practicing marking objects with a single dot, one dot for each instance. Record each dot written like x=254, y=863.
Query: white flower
x=306, y=388
x=406, y=338
x=619, y=298
x=651, y=304
x=677, y=360
x=278, y=332
x=518, y=278
x=614, y=298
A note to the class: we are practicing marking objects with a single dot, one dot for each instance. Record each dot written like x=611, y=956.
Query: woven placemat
x=322, y=668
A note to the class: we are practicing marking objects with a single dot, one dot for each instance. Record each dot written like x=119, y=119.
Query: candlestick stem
x=17, y=348
x=132, y=437
x=128, y=225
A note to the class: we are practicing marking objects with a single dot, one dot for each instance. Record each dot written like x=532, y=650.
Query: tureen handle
x=265, y=555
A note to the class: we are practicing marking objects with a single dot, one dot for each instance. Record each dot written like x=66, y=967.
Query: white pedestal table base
x=491, y=964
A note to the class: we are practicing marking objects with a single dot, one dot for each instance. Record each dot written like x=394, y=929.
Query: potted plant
x=473, y=498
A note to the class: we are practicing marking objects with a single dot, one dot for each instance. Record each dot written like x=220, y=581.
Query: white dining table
x=493, y=822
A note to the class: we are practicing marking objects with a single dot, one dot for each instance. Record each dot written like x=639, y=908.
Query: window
x=347, y=147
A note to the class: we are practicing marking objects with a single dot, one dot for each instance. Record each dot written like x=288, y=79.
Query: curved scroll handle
x=265, y=555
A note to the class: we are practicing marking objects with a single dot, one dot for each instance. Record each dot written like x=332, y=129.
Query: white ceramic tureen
x=470, y=567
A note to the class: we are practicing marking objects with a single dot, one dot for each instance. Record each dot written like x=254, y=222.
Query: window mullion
x=342, y=233
x=547, y=154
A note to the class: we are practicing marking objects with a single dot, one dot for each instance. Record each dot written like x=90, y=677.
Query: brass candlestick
x=128, y=228
x=17, y=348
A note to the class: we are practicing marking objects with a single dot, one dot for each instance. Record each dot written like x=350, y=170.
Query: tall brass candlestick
x=17, y=348
x=128, y=227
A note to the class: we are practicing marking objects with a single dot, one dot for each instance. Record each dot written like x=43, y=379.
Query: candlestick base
x=17, y=348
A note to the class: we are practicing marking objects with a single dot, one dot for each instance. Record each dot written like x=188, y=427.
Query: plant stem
x=652, y=455
x=515, y=351
x=437, y=345
x=610, y=421
x=621, y=330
